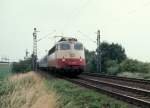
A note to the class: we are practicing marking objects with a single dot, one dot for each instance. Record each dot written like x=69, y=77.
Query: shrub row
x=128, y=65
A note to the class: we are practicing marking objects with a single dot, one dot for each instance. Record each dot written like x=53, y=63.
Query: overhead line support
x=34, y=56
x=98, y=52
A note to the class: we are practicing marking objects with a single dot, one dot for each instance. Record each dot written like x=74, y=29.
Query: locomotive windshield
x=78, y=46
x=64, y=46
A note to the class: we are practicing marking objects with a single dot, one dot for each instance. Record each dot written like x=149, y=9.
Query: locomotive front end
x=70, y=56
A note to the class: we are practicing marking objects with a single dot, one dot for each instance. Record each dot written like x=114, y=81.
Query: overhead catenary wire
x=44, y=37
x=75, y=13
x=87, y=37
x=140, y=7
x=47, y=35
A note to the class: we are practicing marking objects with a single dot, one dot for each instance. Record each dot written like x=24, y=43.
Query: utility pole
x=26, y=54
x=34, y=55
x=98, y=52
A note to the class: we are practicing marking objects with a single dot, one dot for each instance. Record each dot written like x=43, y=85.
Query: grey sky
x=126, y=22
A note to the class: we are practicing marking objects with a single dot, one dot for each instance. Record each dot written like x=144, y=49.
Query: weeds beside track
x=134, y=91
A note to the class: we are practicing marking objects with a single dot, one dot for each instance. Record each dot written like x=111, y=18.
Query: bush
x=113, y=70
x=144, y=67
x=22, y=66
x=90, y=58
x=134, y=66
x=112, y=67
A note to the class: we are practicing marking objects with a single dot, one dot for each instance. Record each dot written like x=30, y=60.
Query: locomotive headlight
x=63, y=59
x=80, y=58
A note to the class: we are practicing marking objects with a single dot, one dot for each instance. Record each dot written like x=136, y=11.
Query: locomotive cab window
x=64, y=46
x=78, y=46
x=52, y=50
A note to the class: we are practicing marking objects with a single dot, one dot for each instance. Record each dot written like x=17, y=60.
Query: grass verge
x=32, y=90
x=73, y=96
x=26, y=91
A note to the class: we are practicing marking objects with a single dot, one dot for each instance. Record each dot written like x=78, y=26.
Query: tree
x=112, y=55
x=114, y=52
x=131, y=65
x=90, y=59
x=22, y=66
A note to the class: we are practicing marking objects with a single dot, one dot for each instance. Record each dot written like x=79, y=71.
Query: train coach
x=65, y=57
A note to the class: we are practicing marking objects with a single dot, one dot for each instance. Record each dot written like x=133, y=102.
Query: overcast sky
x=126, y=22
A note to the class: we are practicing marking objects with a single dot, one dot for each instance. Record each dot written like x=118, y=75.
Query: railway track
x=134, y=91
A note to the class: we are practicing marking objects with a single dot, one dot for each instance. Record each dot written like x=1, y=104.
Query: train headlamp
x=63, y=59
x=80, y=58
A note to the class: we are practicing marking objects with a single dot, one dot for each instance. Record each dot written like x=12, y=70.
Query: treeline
x=22, y=66
x=114, y=60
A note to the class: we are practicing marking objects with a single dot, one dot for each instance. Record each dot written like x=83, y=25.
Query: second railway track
x=134, y=91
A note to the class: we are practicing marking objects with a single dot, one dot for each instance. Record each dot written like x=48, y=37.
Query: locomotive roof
x=66, y=42
x=67, y=39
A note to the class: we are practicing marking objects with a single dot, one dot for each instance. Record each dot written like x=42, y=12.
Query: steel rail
x=122, y=92
x=129, y=83
x=118, y=78
x=141, y=91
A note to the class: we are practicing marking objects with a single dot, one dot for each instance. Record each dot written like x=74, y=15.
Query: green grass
x=11, y=95
x=69, y=95
x=4, y=75
x=73, y=96
x=4, y=71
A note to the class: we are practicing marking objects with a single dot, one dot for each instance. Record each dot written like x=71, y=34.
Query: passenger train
x=65, y=57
